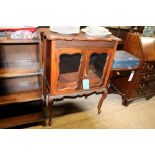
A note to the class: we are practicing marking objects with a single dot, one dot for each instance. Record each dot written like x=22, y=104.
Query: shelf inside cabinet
x=19, y=60
x=19, y=97
x=93, y=78
x=68, y=80
x=18, y=71
x=19, y=114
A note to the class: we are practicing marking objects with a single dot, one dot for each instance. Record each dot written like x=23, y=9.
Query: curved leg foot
x=99, y=111
x=50, y=112
x=101, y=102
x=49, y=122
x=124, y=100
x=148, y=97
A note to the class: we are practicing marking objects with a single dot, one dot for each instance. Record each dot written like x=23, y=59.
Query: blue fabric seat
x=124, y=59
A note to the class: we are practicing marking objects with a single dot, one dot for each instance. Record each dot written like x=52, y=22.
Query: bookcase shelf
x=19, y=71
x=21, y=79
x=21, y=97
x=20, y=114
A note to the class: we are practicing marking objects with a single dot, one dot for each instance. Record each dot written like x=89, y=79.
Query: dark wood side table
x=71, y=69
x=143, y=84
x=121, y=84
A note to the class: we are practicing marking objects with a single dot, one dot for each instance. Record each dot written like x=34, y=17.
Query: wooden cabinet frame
x=56, y=45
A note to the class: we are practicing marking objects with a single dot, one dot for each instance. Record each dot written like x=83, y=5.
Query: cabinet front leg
x=50, y=104
x=44, y=113
x=86, y=96
x=101, y=102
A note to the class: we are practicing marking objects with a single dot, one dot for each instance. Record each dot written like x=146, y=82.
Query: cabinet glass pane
x=69, y=70
x=96, y=66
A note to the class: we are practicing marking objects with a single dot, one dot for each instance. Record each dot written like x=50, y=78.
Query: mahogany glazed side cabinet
x=71, y=68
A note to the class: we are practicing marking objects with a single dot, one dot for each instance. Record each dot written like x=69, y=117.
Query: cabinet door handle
x=118, y=73
x=150, y=67
x=148, y=91
x=146, y=77
x=142, y=85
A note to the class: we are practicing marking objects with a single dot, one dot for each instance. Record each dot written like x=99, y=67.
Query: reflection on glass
x=96, y=67
x=68, y=69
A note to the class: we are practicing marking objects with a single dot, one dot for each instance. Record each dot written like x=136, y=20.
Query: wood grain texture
x=133, y=45
x=68, y=80
x=18, y=71
x=148, y=46
x=21, y=97
x=18, y=120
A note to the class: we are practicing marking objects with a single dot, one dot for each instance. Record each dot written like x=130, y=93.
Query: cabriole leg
x=101, y=102
x=50, y=104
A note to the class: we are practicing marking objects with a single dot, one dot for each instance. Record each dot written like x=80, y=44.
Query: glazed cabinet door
x=99, y=63
x=69, y=70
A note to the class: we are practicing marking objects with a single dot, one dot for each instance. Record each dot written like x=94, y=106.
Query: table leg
x=50, y=112
x=104, y=95
x=44, y=113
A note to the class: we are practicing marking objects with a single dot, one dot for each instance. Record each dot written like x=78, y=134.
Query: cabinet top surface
x=81, y=36
x=6, y=39
x=18, y=41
